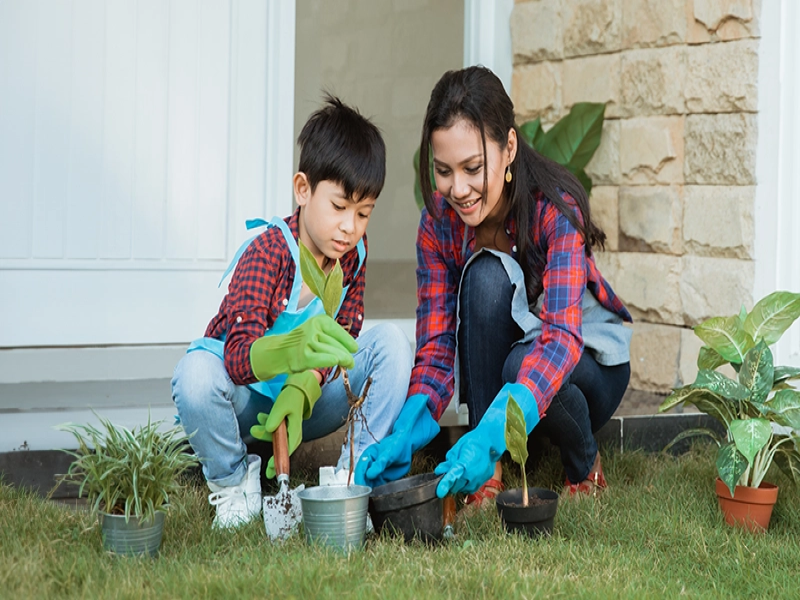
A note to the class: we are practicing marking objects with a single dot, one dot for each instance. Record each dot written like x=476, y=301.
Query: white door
x=136, y=136
x=777, y=239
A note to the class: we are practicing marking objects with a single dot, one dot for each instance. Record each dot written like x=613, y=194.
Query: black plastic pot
x=536, y=519
x=408, y=507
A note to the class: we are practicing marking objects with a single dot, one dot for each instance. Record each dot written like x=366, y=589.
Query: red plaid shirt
x=441, y=257
x=259, y=291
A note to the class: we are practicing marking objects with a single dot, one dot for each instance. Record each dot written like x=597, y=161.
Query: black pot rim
x=405, y=492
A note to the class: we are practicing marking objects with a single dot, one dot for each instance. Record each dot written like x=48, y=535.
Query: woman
x=509, y=295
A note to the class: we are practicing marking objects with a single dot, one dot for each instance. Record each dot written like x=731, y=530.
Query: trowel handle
x=448, y=515
x=280, y=449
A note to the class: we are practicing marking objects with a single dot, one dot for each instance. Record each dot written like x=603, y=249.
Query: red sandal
x=488, y=491
x=592, y=485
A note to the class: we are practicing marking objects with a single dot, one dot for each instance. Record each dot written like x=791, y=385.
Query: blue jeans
x=220, y=413
x=588, y=396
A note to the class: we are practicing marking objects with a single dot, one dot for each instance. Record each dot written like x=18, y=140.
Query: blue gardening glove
x=294, y=403
x=390, y=459
x=470, y=462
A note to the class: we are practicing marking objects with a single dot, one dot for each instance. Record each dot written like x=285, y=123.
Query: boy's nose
x=348, y=224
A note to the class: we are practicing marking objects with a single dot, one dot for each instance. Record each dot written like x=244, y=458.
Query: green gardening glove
x=298, y=396
x=318, y=343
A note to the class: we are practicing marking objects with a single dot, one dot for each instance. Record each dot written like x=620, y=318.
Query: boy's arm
x=250, y=300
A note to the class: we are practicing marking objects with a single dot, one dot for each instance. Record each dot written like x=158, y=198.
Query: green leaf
x=709, y=359
x=678, y=396
x=516, y=435
x=788, y=461
x=772, y=316
x=690, y=433
x=784, y=374
x=532, y=133
x=742, y=314
x=574, y=139
x=313, y=276
x=711, y=403
x=750, y=436
x=719, y=384
x=727, y=336
x=585, y=180
x=784, y=407
x=731, y=465
x=333, y=290
x=757, y=372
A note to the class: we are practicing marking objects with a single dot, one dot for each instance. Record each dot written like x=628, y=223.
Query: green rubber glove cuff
x=307, y=383
x=318, y=343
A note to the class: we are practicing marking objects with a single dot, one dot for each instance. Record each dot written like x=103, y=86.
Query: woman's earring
x=508, y=174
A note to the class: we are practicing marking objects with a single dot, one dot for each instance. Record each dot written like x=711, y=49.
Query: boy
x=271, y=349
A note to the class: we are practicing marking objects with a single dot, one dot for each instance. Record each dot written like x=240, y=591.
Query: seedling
x=328, y=288
x=517, y=441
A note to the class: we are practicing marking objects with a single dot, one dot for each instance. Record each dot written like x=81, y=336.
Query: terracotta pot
x=748, y=507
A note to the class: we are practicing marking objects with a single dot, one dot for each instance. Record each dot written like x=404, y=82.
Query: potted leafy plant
x=571, y=142
x=528, y=510
x=759, y=409
x=335, y=515
x=128, y=477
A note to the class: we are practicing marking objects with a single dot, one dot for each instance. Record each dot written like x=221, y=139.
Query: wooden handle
x=449, y=511
x=280, y=449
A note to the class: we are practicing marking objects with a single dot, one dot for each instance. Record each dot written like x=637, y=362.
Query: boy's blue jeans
x=221, y=412
x=587, y=399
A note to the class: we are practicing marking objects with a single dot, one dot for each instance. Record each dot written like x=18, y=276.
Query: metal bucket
x=335, y=515
x=131, y=538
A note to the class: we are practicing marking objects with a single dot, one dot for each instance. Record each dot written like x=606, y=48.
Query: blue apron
x=289, y=319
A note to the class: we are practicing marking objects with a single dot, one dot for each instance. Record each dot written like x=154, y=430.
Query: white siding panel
x=51, y=137
x=118, y=130
x=84, y=176
x=212, y=163
x=17, y=84
x=182, y=130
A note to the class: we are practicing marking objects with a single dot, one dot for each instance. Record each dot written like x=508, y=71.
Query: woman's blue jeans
x=220, y=413
x=487, y=359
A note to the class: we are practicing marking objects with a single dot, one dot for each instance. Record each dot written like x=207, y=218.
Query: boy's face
x=330, y=224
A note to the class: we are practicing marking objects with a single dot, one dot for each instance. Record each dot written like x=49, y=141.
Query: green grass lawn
x=655, y=533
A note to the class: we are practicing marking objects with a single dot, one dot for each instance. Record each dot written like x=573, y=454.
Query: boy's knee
x=197, y=375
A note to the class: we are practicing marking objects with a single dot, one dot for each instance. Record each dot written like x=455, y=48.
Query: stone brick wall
x=675, y=172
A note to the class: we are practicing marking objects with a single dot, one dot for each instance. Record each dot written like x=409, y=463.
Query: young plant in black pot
x=129, y=477
x=526, y=510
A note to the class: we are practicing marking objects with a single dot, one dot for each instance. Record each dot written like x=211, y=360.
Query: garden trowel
x=282, y=512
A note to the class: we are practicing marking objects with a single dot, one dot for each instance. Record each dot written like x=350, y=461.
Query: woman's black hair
x=477, y=95
x=338, y=144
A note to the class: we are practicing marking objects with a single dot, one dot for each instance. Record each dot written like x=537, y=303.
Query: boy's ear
x=302, y=188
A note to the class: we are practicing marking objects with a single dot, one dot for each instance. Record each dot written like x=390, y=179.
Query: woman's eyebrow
x=466, y=160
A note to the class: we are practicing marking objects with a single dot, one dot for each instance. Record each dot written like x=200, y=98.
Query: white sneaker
x=330, y=476
x=238, y=504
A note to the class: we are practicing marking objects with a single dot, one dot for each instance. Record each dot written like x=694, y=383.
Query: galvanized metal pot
x=134, y=537
x=335, y=515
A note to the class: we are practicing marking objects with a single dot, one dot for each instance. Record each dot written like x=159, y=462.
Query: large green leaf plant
x=571, y=142
x=759, y=409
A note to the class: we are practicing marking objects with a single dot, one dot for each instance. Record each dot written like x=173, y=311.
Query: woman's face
x=459, y=171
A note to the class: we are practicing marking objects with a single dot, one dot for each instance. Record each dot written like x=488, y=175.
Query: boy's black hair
x=338, y=144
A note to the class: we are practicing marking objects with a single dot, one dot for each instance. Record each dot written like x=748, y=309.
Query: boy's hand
x=294, y=403
x=318, y=343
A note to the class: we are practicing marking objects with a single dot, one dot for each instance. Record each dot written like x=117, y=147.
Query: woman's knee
x=486, y=278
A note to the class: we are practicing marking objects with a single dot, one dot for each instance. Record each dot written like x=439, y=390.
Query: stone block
x=651, y=150
x=536, y=31
x=721, y=149
x=719, y=221
x=650, y=219
x=536, y=91
x=647, y=23
x=722, y=20
x=581, y=83
x=647, y=283
x=591, y=26
x=722, y=77
x=604, y=166
x=604, y=203
x=654, y=357
x=652, y=81
x=713, y=287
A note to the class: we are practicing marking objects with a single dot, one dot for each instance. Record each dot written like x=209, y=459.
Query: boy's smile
x=330, y=224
